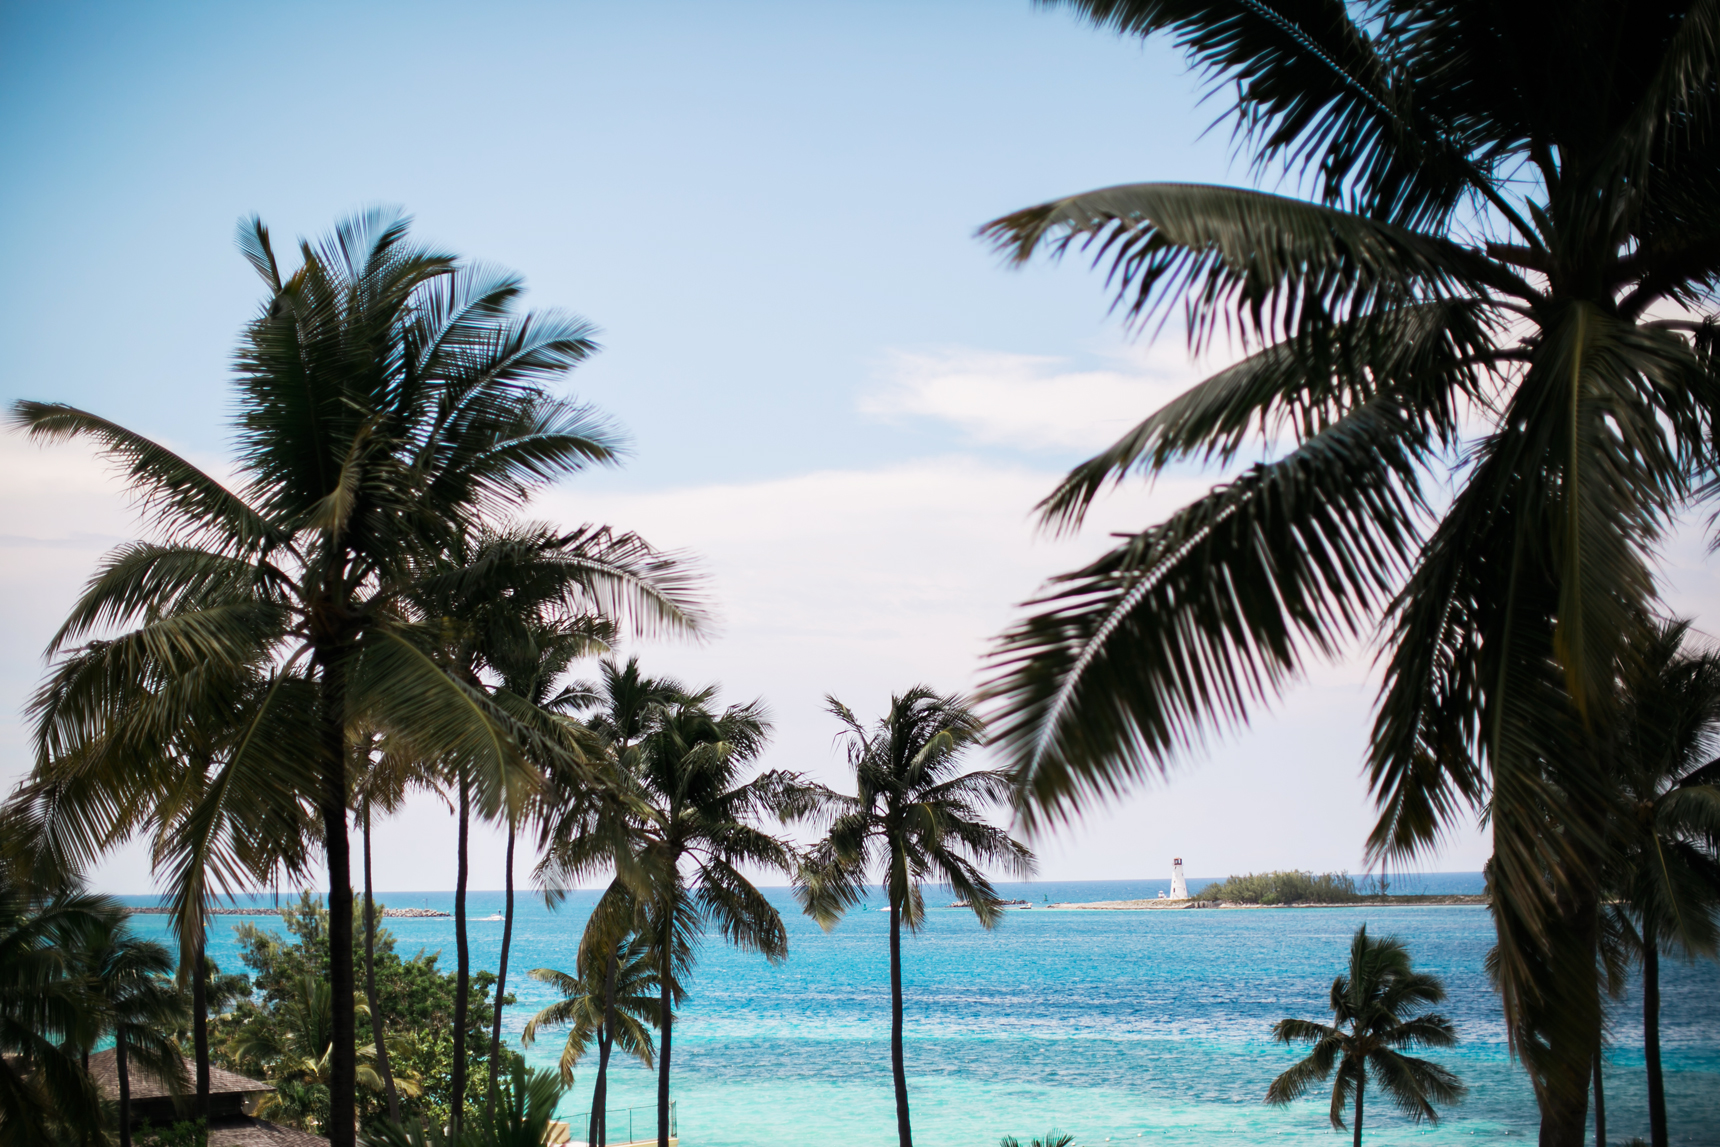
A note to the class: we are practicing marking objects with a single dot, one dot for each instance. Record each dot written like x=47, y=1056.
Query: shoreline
x=406, y=913
x=1453, y=900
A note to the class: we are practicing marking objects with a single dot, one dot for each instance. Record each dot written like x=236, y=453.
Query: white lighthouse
x=1179, y=886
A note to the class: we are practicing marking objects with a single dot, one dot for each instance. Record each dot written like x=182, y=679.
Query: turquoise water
x=1112, y=1025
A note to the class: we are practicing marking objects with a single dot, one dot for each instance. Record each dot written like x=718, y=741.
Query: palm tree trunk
x=382, y=1067
x=342, y=1127
x=666, y=1022
x=124, y=1090
x=462, y=967
x=897, y=1068
x=605, y=1041
x=1651, y=1042
x=1600, y=1104
x=200, y=1027
x=1361, y=1089
x=502, y=976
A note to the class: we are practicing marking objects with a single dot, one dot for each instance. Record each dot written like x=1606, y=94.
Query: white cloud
x=1032, y=401
x=851, y=582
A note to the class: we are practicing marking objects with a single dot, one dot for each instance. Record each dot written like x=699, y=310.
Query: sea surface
x=1114, y=1026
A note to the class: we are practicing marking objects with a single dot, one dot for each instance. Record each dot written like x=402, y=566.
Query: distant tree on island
x=1369, y=1029
x=1291, y=887
x=914, y=816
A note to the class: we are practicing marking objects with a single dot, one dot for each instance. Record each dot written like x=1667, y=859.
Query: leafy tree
x=1501, y=275
x=1666, y=877
x=1283, y=888
x=389, y=399
x=914, y=816
x=283, y=1023
x=1372, y=999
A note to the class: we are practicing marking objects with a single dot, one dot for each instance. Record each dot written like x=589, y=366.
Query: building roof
x=244, y=1131
x=147, y=1085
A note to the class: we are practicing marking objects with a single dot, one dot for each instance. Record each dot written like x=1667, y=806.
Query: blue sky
x=837, y=395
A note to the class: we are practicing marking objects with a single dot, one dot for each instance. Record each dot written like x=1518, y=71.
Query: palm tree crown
x=1368, y=1032
x=1501, y=275
x=1664, y=863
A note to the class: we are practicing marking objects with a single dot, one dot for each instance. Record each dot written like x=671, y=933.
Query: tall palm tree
x=48, y=1014
x=139, y=1006
x=690, y=823
x=1371, y=1000
x=1500, y=273
x=1666, y=878
x=530, y=667
x=612, y=1000
x=382, y=784
x=518, y=605
x=914, y=816
x=389, y=398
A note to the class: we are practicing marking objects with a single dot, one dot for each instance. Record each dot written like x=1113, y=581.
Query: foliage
x=270, y=1033
x=1372, y=999
x=1052, y=1138
x=528, y=1099
x=582, y=1006
x=48, y=1012
x=1292, y=887
x=1495, y=274
x=914, y=816
x=182, y=1133
x=391, y=401
x=1663, y=867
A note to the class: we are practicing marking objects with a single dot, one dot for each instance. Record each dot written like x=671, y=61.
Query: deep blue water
x=1112, y=1025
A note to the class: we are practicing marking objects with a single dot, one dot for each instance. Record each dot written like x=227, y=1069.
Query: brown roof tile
x=147, y=1085
x=245, y=1131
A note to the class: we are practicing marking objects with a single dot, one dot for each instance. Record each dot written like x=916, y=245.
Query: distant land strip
x=159, y=910
x=1360, y=902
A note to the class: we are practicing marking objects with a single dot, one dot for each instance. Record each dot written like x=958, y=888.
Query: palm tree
x=915, y=817
x=689, y=823
x=1667, y=875
x=139, y=1007
x=303, y=1049
x=382, y=785
x=389, y=398
x=123, y=750
x=521, y=604
x=1052, y=1138
x=530, y=666
x=1503, y=281
x=611, y=1001
x=1372, y=999
x=48, y=1014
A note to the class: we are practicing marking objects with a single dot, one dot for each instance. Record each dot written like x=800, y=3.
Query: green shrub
x=185, y=1133
x=1292, y=887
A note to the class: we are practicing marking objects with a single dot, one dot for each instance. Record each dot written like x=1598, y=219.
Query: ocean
x=1113, y=1026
